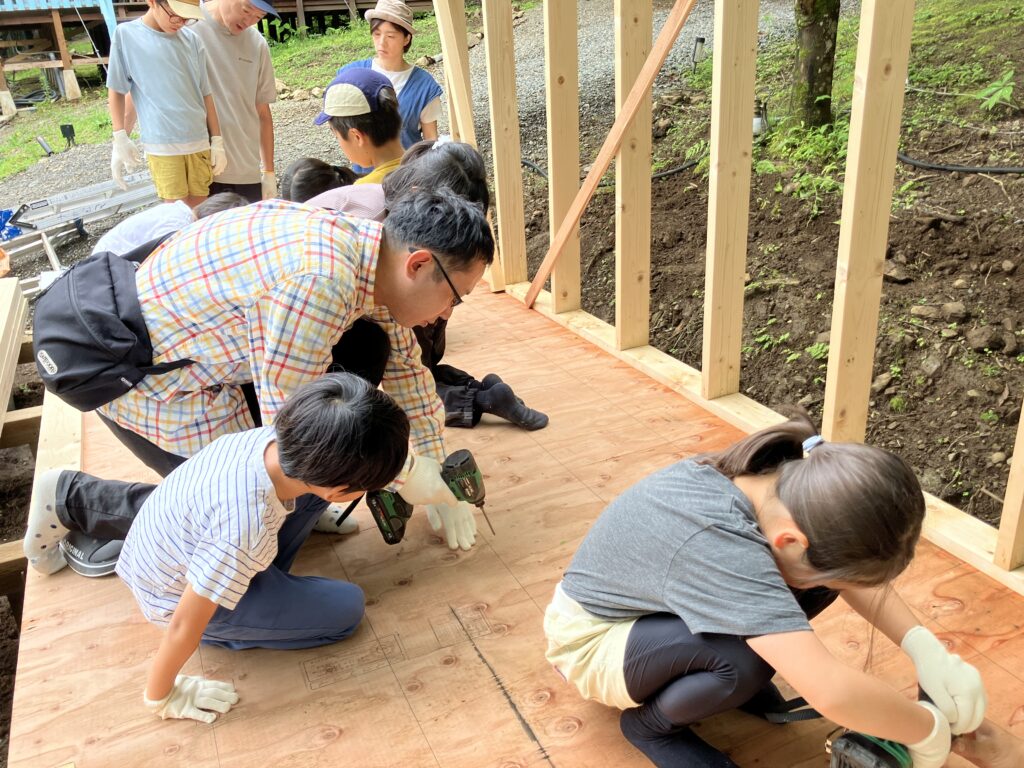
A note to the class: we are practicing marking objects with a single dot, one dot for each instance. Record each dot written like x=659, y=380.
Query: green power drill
x=460, y=473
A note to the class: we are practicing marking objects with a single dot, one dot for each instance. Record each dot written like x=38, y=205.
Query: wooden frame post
x=878, y=84
x=300, y=17
x=71, y=90
x=732, y=107
x=1010, y=545
x=451, y=26
x=666, y=38
x=7, y=106
x=633, y=21
x=562, y=88
x=508, y=172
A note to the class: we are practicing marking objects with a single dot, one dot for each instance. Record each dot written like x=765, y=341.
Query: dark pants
x=363, y=350
x=278, y=610
x=456, y=388
x=680, y=677
x=251, y=192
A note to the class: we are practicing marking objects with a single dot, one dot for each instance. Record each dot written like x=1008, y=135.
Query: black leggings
x=680, y=677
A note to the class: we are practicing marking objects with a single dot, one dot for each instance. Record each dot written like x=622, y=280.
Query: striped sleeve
x=221, y=572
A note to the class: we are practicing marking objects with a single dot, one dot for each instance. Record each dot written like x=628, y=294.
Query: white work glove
x=953, y=685
x=124, y=158
x=268, y=182
x=458, y=521
x=933, y=750
x=218, y=155
x=424, y=484
x=190, y=696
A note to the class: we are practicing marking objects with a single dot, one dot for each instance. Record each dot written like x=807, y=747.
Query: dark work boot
x=502, y=401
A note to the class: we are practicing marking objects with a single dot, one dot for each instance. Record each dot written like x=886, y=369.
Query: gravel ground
x=297, y=137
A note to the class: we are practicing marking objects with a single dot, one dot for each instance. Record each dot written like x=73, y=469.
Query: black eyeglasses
x=175, y=18
x=455, y=291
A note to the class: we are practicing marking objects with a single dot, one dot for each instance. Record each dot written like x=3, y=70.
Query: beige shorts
x=588, y=651
x=179, y=176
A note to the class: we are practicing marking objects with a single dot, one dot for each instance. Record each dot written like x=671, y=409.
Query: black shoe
x=88, y=556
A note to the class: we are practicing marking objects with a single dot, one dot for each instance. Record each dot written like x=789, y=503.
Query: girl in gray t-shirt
x=700, y=579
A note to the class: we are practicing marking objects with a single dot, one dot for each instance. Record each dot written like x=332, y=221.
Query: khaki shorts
x=179, y=176
x=588, y=651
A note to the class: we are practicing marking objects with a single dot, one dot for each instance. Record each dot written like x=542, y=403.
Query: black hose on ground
x=925, y=165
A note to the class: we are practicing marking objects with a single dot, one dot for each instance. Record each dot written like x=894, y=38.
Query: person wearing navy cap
x=242, y=78
x=361, y=107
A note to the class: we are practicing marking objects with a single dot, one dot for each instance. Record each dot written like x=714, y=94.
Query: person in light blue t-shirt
x=209, y=552
x=161, y=66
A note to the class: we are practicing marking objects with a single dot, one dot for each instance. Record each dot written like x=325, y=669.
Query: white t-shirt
x=241, y=76
x=140, y=228
x=212, y=524
x=431, y=113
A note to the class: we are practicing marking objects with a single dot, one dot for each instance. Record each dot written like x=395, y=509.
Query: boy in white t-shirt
x=209, y=551
x=160, y=220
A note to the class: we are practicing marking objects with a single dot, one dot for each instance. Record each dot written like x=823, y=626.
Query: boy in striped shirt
x=208, y=554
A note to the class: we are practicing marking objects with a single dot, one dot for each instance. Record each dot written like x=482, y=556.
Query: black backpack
x=90, y=341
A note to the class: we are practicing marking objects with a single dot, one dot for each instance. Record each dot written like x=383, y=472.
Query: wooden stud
x=666, y=38
x=21, y=427
x=633, y=20
x=13, y=311
x=1010, y=546
x=732, y=104
x=451, y=26
x=562, y=80
x=71, y=89
x=504, y=111
x=300, y=16
x=878, y=84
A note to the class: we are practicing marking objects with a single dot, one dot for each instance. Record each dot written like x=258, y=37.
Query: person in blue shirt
x=419, y=95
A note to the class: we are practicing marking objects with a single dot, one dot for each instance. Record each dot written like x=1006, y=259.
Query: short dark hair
x=429, y=165
x=222, y=201
x=374, y=23
x=341, y=430
x=451, y=227
x=309, y=176
x=381, y=126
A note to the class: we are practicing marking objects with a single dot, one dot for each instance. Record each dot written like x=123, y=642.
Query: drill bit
x=484, y=513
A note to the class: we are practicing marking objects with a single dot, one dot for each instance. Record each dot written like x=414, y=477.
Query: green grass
x=305, y=61
x=18, y=147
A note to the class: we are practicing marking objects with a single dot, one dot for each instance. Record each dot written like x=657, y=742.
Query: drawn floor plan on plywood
x=448, y=668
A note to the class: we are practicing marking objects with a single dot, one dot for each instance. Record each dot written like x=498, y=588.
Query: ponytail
x=860, y=507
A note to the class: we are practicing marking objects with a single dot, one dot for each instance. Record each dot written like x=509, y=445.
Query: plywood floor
x=448, y=667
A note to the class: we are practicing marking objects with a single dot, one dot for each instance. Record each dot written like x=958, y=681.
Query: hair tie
x=813, y=442
x=442, y=140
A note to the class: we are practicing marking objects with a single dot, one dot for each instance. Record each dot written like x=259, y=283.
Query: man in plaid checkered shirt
x=266, y=297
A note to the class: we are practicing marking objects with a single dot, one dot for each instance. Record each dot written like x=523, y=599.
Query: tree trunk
x=816, y=24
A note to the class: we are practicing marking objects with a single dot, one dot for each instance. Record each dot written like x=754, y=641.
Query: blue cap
x=353, y=91
x=265, y=6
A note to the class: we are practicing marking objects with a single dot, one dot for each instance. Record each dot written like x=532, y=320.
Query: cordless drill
x=858, y=750
x=459, y=472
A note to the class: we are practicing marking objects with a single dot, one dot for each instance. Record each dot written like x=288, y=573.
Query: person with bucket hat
x=242, y=77
x=162, y=66
x=419, y=95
